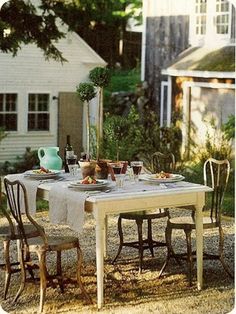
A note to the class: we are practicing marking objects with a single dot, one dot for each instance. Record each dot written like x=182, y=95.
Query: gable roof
x=205, y=62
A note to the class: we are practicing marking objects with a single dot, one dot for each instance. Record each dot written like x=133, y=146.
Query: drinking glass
x=137, y=167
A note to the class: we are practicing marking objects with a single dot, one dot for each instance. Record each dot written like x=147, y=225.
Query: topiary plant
x=100, y=78
x=86, y=92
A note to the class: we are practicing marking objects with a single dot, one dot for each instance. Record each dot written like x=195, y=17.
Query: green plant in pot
x=86, y=93
x=100, y=77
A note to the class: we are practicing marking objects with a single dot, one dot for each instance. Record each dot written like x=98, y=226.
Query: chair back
x=18, y=204
x=216, y=175
x=163, y=162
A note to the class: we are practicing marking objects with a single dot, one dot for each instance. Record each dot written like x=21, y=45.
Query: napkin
x=31, y=188
x=66, y=206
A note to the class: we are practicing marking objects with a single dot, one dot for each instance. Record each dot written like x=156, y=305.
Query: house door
x=70, y=121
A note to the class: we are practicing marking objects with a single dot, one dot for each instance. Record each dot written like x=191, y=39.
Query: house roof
x=204, y=62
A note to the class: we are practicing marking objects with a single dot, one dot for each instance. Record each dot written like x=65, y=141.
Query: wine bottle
x=68, y=153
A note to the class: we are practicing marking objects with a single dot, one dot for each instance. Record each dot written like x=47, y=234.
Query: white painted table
x=104, y=204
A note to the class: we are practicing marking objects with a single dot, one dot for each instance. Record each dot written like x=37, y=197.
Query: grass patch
x=121, y=81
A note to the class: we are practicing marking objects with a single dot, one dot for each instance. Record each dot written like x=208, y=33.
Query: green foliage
x=122, y=136
x=28, y=161
x=121, y=80
x=86, y=91
x=27, y=26
x=229, y=128
x=100, y=76
x=216, y=146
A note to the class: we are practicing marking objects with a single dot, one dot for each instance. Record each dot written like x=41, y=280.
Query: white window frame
x=11, y=112
x=168, y=86
x=38, y=112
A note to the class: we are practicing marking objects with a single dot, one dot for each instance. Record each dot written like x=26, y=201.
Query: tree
x=21, y=22
x=24, y=22
x=86, y=92
x=100, y=78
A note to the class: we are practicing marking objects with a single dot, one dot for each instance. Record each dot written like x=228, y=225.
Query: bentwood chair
x=40, y=245
x=8, y=233
x=216, y=174
x=160, y=162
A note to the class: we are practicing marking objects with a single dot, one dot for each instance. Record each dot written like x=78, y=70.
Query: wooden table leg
x=199, y=238
x=100, y=234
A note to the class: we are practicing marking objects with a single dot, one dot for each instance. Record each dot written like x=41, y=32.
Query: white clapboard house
x=38, y=101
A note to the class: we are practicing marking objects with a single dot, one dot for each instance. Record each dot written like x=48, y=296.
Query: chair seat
x=5, y=232
x=144, y=214
x=188, y=221
x=56, y=243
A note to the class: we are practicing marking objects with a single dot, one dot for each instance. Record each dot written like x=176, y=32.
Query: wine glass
x=137, y=167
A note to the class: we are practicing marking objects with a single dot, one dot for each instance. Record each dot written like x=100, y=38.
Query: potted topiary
x=100, y=77
x=86, y=93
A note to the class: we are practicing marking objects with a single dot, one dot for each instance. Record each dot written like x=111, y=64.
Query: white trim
x=169, y=101
x=208, y=85
x=206, y=74
x=163, y=85
x=167, y=84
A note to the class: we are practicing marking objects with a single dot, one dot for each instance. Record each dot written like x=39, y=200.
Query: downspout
x=143, y=51
x=169, y=98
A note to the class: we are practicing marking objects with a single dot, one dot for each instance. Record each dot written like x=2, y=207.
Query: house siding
x=167, y=36
x=29, y=72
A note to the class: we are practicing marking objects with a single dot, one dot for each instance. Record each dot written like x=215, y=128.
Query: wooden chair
x=160, y=162
x=40, y=245
x=216, y=174
x=8, y=233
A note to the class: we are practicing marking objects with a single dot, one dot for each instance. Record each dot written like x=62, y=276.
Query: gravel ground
x=126, y=290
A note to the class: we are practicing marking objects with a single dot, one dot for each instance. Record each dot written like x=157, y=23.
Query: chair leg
x=43, y=278
x=139, y=223
x=79, y=281
x=168, y=232
x=23, y=275
x=6, y=248
x=221, y=255
x=189, y=254
x=149, y=237
x=121, y=239
x=59, y=272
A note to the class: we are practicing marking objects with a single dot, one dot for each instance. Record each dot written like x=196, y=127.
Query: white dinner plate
x=152, y=178
x=99, y=185
x=34, y=175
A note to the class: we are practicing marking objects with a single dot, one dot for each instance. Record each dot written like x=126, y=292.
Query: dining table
x=132, y=197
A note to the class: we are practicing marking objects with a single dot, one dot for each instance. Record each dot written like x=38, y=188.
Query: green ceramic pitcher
x=49, y=158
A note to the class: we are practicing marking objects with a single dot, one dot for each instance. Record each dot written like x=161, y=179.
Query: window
x=8, y=112
x=222, y=17
x=38, y=112
x=201, y=17
x=210, y=22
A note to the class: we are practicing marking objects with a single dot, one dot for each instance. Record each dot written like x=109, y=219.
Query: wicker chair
x=216, y=174
x=40, y=245
x=160, y=162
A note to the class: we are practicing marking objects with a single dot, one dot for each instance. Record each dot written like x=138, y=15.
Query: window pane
x=31, y=121
x=10, y=102
x=11, y=122
x=8, y=122
x=43, y=121
x=38, y=122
